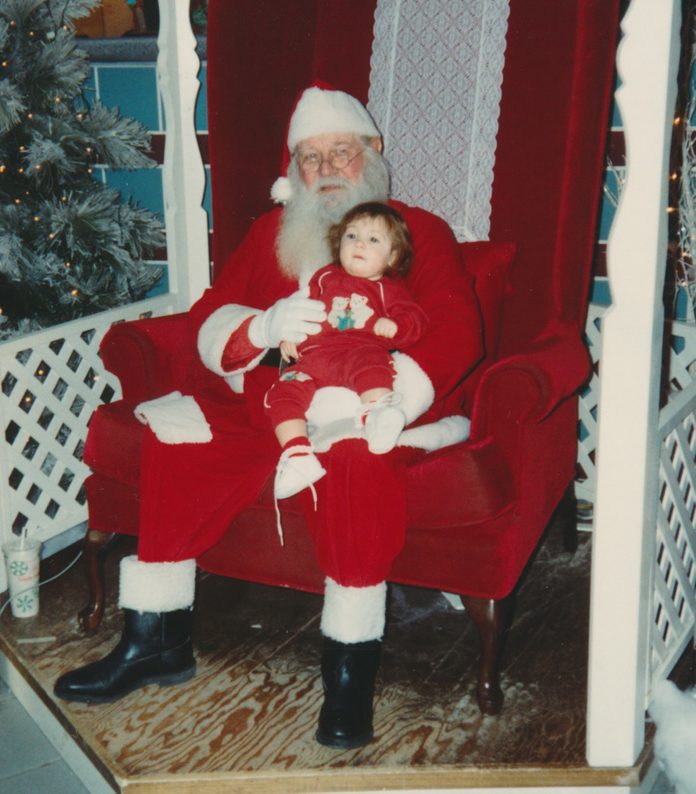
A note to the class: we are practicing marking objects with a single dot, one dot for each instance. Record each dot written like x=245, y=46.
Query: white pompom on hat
x=321, y=109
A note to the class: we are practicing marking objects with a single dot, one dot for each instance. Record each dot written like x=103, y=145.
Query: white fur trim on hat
x=319, y=111
x=156, y=586
x=353, y=614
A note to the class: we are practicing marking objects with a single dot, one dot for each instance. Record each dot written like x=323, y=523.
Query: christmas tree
x=69, y=245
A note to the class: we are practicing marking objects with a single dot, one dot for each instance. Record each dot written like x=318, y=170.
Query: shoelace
x=285, y=462
x=393, y=398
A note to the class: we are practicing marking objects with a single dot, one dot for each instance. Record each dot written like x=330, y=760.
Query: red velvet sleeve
x=410, y=319
x=239, y=350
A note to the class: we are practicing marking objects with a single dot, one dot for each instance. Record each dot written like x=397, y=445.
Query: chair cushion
x=113, y=443
x=459, y=486
x=456, y=486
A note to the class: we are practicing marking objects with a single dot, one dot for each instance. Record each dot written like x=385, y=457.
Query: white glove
x=290, y=319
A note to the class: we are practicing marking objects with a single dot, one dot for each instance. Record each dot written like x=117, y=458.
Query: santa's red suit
x=207, y=454
x=190, y=492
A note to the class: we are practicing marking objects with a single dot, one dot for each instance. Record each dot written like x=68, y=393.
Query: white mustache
x=329, y=181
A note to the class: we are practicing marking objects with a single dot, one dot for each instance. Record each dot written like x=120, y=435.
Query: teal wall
x=132, y=88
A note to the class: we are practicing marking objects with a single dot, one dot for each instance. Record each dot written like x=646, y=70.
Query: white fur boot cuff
x=156, y=586
x=353, y=614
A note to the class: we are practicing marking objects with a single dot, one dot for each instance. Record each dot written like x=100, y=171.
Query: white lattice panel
x=50, y=382
x=587, y=409
x=674, y=595
x=682, y=361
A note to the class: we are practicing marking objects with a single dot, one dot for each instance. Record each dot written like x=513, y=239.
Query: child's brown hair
x=396, y=227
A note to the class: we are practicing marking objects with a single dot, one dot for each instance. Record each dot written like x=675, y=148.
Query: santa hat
x=321, y=109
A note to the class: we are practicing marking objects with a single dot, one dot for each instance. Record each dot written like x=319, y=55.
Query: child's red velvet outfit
x=347, y=352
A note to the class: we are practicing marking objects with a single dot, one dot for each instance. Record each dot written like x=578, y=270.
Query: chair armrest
x=149, y=357
x=526, y=387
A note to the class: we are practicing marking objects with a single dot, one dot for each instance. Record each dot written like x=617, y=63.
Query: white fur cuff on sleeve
x=215, y=333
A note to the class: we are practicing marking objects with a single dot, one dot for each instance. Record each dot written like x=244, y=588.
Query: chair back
x=549, y=148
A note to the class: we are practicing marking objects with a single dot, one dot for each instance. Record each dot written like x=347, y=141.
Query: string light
x=38, y=167
x=3, y=168
x=18, y=201
x=74, y=292
x=68, y=264
x=5, y=64
x=37, y=218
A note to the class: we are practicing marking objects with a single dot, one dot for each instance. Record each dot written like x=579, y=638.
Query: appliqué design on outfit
x=292, y=374
x=347, y=313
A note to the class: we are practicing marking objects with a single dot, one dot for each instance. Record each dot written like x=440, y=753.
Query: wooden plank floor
x=249, y=715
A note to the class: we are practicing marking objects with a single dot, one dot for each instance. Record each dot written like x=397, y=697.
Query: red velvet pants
x=359, y=367
x=191, y=492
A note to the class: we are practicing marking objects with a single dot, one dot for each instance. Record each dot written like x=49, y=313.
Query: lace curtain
x=435, y=88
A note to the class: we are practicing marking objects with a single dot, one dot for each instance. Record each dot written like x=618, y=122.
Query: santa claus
x=219, y=437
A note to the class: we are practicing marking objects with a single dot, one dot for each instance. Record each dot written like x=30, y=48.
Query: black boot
x=155, y=648
x=348, y=673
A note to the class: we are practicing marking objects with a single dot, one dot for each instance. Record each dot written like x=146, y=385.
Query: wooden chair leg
x=566, y=519
x=491, y=619
x=95, y=548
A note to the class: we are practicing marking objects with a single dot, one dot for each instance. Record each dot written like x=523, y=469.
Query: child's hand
x=385, y=327
x=288, y=351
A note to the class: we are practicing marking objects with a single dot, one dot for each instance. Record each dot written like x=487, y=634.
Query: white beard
x=302, y=244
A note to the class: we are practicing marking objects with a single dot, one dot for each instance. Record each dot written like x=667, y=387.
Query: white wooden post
x=183, y=173
x=628, y=443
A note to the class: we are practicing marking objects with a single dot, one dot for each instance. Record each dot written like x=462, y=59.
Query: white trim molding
x=628, y=437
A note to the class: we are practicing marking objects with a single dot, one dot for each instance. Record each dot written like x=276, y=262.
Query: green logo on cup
x=18, y=567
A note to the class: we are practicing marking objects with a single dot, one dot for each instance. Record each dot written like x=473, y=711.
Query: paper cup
x=23, y=576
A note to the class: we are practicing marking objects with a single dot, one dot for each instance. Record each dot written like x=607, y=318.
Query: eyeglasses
x=338, y=159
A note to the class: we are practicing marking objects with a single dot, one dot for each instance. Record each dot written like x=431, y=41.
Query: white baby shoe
x=384, y=423
x=296, y=471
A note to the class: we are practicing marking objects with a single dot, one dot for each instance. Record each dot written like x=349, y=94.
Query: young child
x=369, y=313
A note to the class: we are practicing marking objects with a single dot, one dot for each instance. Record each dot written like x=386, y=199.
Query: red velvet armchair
x=476, y=510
